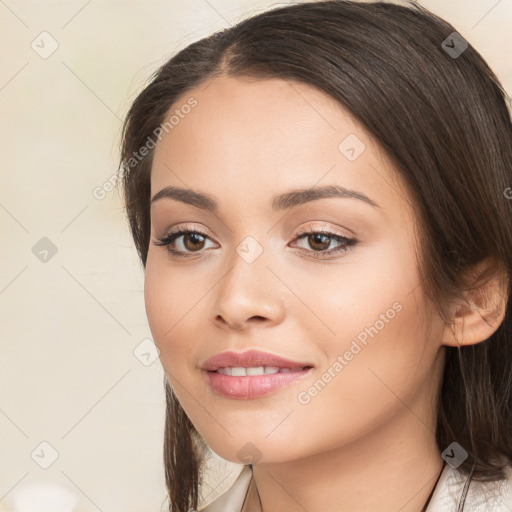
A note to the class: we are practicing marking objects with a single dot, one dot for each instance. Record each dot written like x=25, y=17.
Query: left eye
x=194, y=240
x=321, y=240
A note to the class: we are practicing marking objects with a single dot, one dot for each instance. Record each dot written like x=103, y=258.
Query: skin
x=372, y=426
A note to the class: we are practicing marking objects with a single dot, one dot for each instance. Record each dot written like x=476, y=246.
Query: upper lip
x=250, y=358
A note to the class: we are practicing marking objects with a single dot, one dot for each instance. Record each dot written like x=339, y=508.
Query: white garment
x=226, y=484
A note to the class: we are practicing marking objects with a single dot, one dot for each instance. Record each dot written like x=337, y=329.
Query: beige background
x=75, y=352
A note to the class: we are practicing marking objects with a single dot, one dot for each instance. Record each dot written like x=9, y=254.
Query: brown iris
x=195, y=238
x=319, y=241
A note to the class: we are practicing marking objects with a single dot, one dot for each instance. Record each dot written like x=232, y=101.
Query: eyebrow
x=284, y=201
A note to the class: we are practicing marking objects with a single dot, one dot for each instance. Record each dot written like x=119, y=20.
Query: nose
x=249, y=294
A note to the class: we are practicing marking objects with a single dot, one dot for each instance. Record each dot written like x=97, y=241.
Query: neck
x=392, y=468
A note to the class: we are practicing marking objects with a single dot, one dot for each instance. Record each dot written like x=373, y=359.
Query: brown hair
x=441, y=118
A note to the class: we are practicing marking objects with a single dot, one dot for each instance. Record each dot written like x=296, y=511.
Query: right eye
x=192, y=239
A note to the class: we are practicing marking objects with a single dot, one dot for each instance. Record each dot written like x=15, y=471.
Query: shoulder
x=476, y=496
x=225, y=485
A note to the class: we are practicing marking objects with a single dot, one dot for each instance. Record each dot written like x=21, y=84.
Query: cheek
x=175, y=301
x=165, y=298
x=366, y=289
x=370, y=322
x=379, y=368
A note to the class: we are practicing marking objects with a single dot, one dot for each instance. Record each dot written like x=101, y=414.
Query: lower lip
x=252, y=386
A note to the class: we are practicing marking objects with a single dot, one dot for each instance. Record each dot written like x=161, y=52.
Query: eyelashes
x=195, y=236
x=345, y=243
x=169, y=239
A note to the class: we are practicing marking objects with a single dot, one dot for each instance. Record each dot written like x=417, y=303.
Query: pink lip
x=248, y=359
x=251, y=386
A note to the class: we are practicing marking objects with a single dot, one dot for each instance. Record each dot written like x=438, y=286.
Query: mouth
x=242, y=371
x=252, y=374
x=246, y=383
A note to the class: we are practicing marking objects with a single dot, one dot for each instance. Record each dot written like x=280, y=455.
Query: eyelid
x=186, y=227
x=308, y=229
x=317, y=227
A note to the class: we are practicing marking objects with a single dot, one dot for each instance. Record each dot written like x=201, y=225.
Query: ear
x=481, y=311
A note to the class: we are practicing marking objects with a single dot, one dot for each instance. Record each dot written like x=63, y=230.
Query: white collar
x=226, y=484
x=219, y=477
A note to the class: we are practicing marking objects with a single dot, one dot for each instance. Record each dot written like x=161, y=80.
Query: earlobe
x=478, y=318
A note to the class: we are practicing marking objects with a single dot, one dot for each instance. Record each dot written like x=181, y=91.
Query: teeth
x=240, y=371
x=254, y=370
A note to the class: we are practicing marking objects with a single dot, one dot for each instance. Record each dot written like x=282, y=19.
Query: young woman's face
x=354, y=311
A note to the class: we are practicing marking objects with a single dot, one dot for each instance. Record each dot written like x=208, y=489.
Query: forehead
x=248, y=138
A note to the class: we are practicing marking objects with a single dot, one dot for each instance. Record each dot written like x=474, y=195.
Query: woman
x=341, y=339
